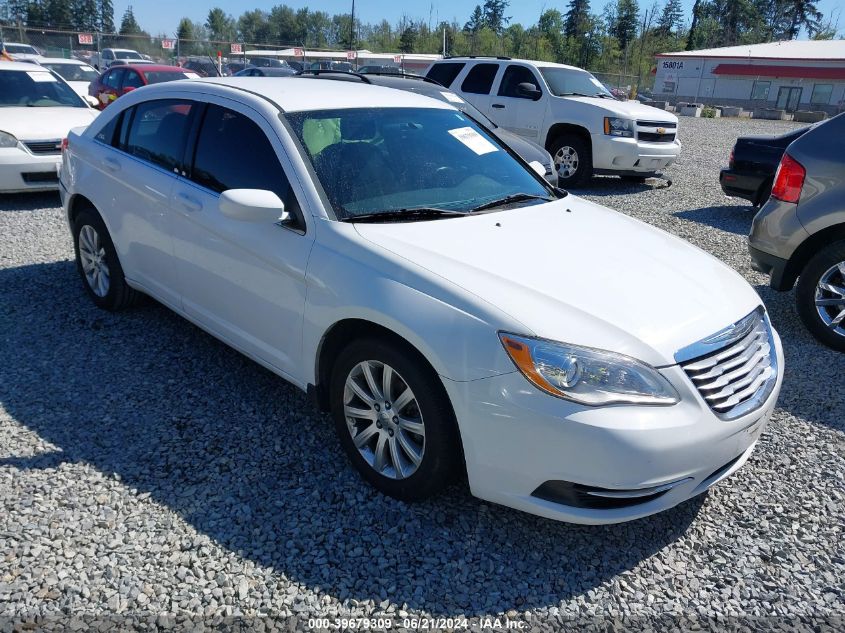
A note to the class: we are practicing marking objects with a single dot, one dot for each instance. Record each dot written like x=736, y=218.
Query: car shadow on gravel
x=29, y=202
x=726, y=217
x=240, y=455
x=613, y=186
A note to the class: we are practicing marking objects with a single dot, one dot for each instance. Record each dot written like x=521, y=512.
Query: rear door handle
x=188, y=203
x=498, y=106
x=111, y=164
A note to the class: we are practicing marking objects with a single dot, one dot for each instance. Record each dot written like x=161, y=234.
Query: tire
x=825, y=322
x=575, y=148
x=98, y=264
x=438, y=448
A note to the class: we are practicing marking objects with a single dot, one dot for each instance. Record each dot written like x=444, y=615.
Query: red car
x=118, y=80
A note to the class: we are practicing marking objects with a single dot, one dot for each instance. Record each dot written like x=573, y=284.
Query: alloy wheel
x=384, y=419
x=92, y=255
x=830, y=298
x=566, y=161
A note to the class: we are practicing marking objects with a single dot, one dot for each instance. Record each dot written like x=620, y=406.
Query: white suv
x=456, y=314
x=569, y=112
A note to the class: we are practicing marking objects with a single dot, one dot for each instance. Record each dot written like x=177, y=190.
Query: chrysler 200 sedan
x=455, y=313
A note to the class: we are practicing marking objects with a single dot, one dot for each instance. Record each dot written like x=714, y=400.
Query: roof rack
x=336, y=74
x=502, y=57
x=404, y=76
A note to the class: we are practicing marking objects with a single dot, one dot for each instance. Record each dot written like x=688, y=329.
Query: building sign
x=237, y=48
x=350, y=55
x=672, y=65
x=86, y=38
x=168, y=44
x=298, y=52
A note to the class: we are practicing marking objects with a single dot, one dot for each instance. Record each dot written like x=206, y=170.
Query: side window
x=158, y=131
x=446, y=72
x=107, y=134
x=220, y=162
x=515, y=75
x=479, y=79
x=132, y=79
x=112, y=79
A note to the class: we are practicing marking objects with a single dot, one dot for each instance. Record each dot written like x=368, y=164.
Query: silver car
x=800, y=232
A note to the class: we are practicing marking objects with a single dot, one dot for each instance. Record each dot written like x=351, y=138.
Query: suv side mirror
x=252, y=205
x=528, y=90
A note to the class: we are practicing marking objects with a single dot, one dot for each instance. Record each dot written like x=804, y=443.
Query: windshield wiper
x=514, y=197
x=409, y=215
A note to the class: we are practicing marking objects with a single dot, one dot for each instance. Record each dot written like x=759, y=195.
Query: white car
x=21, y=52
x=453, y=311
x=77, y=74
x=37, y=110
x=108, y=56
x=569, y=112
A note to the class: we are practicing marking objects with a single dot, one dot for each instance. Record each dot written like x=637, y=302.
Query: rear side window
x=158, y=132
x=479, y=80
x=445, y=73
x=515, y=75
x=106, y=135
x=112, y=79
x=132, y=80
x=234, y=153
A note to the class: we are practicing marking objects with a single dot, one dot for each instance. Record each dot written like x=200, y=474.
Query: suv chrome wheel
x=566, y=161
x=384, y=419
x=830, y=298
x=92, y=255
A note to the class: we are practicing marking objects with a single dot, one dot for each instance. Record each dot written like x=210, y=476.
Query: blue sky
x=162, y=16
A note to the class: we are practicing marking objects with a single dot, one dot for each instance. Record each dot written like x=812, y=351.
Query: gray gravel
x=147, y=469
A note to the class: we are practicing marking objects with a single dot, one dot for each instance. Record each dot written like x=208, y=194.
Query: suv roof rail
x=502, y=57
x=333, y=74
x=404, y=76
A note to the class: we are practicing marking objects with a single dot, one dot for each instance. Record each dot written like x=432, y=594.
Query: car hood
x=574, y=271
x=34, y=124
x=629, y=109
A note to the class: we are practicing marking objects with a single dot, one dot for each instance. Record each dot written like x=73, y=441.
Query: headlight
x=7, y=140
x=588, y=376
x=618, y=127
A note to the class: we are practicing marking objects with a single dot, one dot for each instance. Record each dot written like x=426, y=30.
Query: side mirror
x=252, y=205
x=538, y=167
x=91, y=101
x=528, y=90
x=127, y=90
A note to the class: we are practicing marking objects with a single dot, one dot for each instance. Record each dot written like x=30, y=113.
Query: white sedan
x=454, y=313
x=37, y=110
x=76, y=73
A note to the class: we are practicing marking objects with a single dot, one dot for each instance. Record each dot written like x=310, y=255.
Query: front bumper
x=516, y=439
x=612, y=154
x=21, y=171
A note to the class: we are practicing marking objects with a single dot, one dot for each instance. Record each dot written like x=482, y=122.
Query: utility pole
x=352, y=28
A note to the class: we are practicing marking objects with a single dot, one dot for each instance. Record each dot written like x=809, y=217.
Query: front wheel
x=573, y=159
x=393, y=419
x=820, y=296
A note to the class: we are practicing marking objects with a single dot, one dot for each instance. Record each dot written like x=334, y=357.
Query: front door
x=516, y=112
x=788, y=99
x=243, y=281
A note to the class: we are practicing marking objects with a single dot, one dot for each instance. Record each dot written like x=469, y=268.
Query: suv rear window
x=479, y=79
x=445, y=73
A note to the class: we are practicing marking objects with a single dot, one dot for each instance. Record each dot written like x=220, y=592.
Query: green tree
x=476, y=20
x=85, y=15
x=494, y=15
x=221, y=27
x=128, y=24
x=801, y=14
x=671, y=18
x=408, y=39
x=551, y=27
x=577, y=18
x=105, y=16
x=624, y=29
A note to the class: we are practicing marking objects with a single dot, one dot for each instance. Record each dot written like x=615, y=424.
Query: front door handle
x=498, y=106
x=111, y=164
x=188, y=203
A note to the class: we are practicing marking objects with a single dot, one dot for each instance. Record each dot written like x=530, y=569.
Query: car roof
x=298, y=94
x=145, y=68
x=122, y=50
x=494, y=60
x=23, y=66
x=63, y=60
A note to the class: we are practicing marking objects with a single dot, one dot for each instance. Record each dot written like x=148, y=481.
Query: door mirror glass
x=252, y=205
x=528, y=91
x=538, y=167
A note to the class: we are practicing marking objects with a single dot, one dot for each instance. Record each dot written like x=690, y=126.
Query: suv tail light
x=64, y=144
x=731, y=158
x=789, y=179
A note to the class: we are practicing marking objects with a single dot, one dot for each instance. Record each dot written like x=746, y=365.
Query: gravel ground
x=145, y=468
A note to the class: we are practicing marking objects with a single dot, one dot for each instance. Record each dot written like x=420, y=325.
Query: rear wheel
x=573, y=159
x=820, y=295
x=393, y=419
x=98, y=265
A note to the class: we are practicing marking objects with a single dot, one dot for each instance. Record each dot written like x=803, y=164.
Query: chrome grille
x=44, y=147
x=738, y=369
x=667, y=124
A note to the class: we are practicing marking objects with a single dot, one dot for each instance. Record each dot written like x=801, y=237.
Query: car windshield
x=73, y=72
x=127, y=55
x=381, y=160
x=160, y=76
x=20, y=49
x=566, y=81
x=36, y=88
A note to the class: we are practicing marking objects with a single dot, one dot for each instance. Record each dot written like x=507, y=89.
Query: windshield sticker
x=451, y=96
x=473, y=140
x=41, y=76
x=191, y=75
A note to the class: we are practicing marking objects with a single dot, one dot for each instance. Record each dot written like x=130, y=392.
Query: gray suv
x=800, y=232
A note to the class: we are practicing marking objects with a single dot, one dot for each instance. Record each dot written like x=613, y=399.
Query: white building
x=791, y=75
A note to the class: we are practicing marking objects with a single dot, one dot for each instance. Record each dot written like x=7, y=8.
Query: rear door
x=477, y=85
x=243, y=281
x=132, y=80
x=516, y=112
x=109, y=88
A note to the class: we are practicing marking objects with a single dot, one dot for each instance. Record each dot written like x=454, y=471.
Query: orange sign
x=237, y=48
x=298, y=52
x=86, y=38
